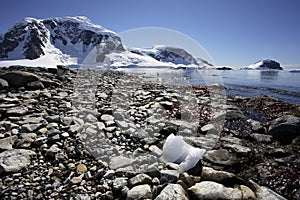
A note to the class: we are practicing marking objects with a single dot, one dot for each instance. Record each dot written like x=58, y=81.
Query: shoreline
x=99, y=134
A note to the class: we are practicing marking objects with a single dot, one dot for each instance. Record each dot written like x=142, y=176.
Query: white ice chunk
x=176, y=150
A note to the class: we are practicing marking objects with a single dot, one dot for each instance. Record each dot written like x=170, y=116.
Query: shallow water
x=284, y=85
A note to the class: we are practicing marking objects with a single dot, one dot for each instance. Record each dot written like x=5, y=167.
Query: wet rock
x=220, y=156
x=284, y=129
x=140, y=179
x=15, y=159
x=172, y=191
x=139, y=192
x=7, y=143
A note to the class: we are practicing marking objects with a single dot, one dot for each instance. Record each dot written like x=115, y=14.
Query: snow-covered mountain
x=76, y=40
x=164, y=53
x=266, y=64
x=65, y=39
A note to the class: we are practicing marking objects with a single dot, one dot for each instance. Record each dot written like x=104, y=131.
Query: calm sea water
x=284, y=85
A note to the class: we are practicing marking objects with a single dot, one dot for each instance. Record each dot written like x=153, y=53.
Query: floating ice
x=176, y=150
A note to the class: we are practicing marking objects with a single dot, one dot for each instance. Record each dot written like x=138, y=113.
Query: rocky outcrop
x=265, y=64
x=285, y=128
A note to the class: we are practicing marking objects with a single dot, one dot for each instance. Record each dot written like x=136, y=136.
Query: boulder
x=284, y=129
x=14, y=160
x=35, y=85
x=6, y=143
x=264, y=193
x=172, y=191
x=221, y=157
x=140, y=179
x=139, y=192
x=120, y=162
x=211, y=190
x=19, y=78
x=222, y=177
x=3, y=84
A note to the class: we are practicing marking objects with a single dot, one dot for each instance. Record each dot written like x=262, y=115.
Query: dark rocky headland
x=86, y=134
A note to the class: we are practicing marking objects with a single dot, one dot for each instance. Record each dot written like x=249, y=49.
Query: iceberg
x=176, y=150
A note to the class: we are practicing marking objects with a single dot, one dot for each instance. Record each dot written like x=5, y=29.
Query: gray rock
x=140, y=179
x=139, y=192
x=211, y=190
x=36, y=85
x=17, y=111
x=264, y=193
x=262, y=137
x=19, y=78
x=220, y=156
x=187, y=179
x=228, y=114
x=210, y=129
x=284, y=129
x=82, y=197
x=26, y=139
x=3, y=83
x=107, y=117
x=172, y=191
x=15, y=159
x=6, y=143
x=119, y=183
x=238, y=148
x=120, y=162
x=207, y=141
x=53, y=150
x=155, y=150
x=169, y=176
x=77, y=179
x=256, y=125
x=225, y=178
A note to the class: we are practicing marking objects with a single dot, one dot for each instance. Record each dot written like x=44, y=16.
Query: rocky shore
x=86, y=134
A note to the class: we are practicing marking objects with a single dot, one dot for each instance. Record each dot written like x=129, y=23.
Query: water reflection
x=269, y=75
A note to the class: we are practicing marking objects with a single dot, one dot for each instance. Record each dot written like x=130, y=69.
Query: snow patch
x=176, y=150
x=48, y=61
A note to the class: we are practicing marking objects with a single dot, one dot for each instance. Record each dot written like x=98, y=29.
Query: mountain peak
x=64, y=37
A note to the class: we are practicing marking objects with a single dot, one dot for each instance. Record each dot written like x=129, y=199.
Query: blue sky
x=233, y=32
